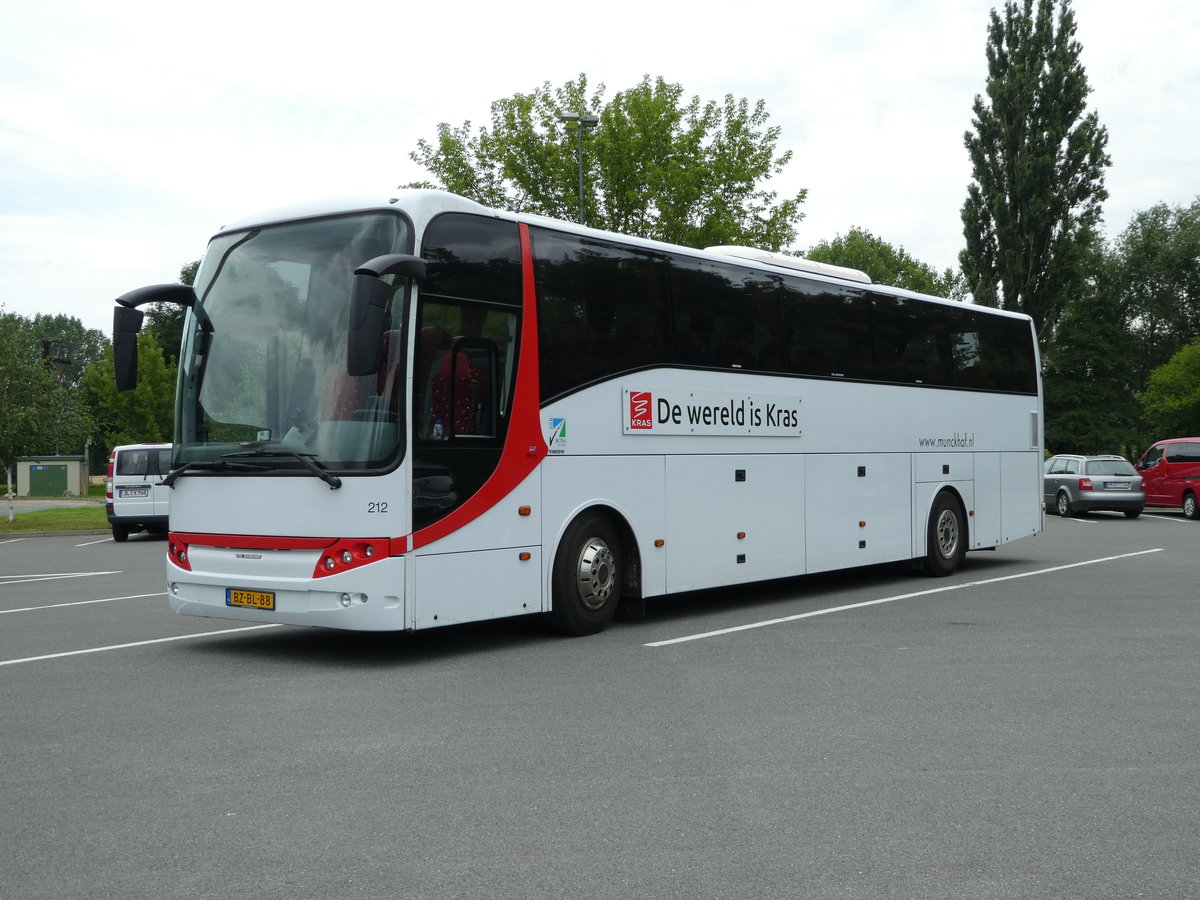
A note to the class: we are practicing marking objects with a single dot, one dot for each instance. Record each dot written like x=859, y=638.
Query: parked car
x=1079, y=484
x=1171, y=474
x=135, y=497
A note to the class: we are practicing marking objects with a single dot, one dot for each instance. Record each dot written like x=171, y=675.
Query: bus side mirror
x=127, y=322
x=368, y=307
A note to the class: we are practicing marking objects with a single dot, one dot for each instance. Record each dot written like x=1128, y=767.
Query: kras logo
x=640, y=405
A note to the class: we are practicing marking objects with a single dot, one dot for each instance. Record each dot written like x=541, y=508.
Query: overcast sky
x=131, y=131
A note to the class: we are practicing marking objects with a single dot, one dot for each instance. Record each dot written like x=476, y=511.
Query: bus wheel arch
x=946, y=534
x=592, y=569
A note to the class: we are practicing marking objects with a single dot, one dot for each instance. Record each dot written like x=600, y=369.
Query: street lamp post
x=582, y=123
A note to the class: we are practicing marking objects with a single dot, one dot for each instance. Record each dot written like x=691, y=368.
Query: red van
x=1171, y=474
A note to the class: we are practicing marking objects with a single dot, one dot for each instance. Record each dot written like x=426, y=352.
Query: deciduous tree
x=1172, y=396
x=144, y=414
x=41, y=410
x=1157, y=274
x=887, y=264
x=657, y=165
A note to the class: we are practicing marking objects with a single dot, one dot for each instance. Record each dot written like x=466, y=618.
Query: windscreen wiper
x=308, y=459
x=206, y=465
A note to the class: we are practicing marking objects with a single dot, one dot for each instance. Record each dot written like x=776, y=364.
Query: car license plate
x=133, y=492
x=1116, y=485
x=250, y=599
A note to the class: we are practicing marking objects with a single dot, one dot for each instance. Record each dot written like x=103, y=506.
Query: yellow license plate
x=251, y=599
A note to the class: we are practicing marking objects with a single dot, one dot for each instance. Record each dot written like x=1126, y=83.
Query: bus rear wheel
x=1191, y=509
x=586, y=581
x=947, y=544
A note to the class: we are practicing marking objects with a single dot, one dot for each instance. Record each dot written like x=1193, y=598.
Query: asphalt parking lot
x=1024, y=728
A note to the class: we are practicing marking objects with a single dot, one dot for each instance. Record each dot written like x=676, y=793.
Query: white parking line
x=49, y=576
x=80, y=603
x=166, y=640
x=90, y=543
x=1172, y=519
x=837, y=609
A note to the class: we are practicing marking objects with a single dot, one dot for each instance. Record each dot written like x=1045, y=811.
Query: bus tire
x=947, y=538
x=1191, y=509
x=586, y=581
x=120, y=533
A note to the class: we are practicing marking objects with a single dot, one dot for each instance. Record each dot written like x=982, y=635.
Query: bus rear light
x=177, y=553
x=108, y=477
x=349, y=554
x=1085, y=484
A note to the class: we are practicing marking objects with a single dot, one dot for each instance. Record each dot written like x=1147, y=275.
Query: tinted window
x=133, y=462
x=1006, y=356
x=827, y=330
x=725, y=316
x=462, y=376
x=473, y=257
x=1183, y=452
x=1109, y=467
x=912, y=341
x=602, y=309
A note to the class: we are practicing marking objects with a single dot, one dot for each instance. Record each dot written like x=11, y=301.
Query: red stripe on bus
x=525, y=447
x=254, y=541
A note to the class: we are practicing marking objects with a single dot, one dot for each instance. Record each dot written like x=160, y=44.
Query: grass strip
x=83, y=518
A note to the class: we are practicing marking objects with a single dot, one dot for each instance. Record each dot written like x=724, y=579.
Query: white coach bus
x=410, y=412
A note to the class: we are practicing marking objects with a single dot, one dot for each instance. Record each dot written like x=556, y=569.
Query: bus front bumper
x=368, y=598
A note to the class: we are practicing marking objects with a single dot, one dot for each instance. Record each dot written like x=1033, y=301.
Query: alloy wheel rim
x=595, y=574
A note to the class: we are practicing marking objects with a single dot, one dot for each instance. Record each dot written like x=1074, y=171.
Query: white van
x=135, y=498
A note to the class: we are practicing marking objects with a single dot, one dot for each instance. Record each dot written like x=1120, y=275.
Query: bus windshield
x=263, y=361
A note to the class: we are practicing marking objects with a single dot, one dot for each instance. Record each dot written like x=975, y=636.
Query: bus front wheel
x=586, y=583
x=947, y=537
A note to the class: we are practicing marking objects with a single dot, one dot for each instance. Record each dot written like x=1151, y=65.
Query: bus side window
x=456, y=399
x=432, y=343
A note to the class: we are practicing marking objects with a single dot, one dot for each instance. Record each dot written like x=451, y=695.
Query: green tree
x=144, y=414
x=66, y=344
x=655, y=166
x=1172, y=397
x=1140, y=307
x=1157, y=273
x=26, y=385
x=887, y=264
x=1038, y=164
x=41, y=410
x=1091, y=375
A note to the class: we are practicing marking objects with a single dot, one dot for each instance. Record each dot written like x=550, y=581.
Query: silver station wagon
x=1080, y=484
